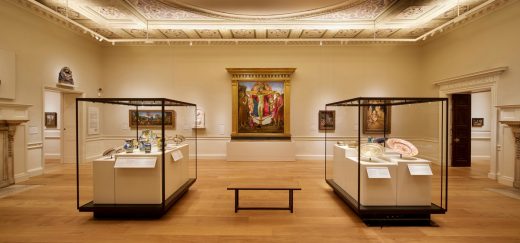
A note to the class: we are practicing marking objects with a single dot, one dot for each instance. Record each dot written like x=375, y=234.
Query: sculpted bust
x=65, y=76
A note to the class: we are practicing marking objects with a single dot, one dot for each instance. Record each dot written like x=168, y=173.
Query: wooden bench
x=268, y=186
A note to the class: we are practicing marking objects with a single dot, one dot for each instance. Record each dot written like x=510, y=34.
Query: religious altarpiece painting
x=261, y=102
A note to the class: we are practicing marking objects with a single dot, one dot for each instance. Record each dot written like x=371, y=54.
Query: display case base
x=136, y=210
x=389, y=215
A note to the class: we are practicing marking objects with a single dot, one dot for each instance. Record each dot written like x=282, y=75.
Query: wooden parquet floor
x=48, y=213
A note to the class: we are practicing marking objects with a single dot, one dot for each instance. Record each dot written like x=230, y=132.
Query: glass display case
x=387, y=158
x=135, y=157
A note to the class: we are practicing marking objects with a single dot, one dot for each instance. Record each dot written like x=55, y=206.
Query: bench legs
x=291, y=201
x=290, y=208
x=236, y=201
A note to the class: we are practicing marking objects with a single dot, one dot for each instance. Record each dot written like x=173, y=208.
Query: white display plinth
x=401, y=189
x=267, y=150
x=138, y=184
x=413, y=190
x=373, y=191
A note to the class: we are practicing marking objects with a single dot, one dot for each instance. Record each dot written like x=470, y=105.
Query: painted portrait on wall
x=261, y=107
x=261, y=103
x=327, y=120
x=374, y=119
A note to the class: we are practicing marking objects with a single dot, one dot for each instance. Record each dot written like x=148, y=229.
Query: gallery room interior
x=261, y=121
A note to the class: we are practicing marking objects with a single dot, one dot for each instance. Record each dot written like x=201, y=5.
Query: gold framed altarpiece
x=261, y=103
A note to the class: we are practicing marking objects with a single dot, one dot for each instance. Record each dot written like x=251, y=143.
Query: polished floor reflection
x=206, y=214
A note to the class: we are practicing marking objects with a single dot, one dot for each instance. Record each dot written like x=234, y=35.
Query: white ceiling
x=261, y=21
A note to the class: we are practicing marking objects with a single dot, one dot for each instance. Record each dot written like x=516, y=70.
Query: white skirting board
x=261, y=151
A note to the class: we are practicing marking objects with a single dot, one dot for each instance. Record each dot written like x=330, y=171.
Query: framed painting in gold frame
x=261, y=102
x=374, y=119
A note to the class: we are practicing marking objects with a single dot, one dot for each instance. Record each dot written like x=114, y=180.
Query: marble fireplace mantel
x=510, y=116
x=11, y=115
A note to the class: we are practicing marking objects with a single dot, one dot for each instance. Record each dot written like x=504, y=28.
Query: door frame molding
x=62, y=91
x=485, y=80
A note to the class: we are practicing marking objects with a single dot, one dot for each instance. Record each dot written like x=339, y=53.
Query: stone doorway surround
x=485, y=80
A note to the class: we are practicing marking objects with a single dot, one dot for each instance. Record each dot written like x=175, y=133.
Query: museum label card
x=378, y=172
x=177, y=155
x=137, y=162
x=420, y=169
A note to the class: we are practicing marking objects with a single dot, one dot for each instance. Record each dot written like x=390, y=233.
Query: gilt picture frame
x=326, y=120
x=377, y=119
x=261, y=103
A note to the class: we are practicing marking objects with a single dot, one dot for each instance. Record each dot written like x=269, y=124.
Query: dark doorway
x=461, y=130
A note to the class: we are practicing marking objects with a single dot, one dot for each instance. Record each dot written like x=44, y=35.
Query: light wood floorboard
x=48, y=213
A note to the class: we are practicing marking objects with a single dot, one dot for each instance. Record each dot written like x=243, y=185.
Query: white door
x=69, y=128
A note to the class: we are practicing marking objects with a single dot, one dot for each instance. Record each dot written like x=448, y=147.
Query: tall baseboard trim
x=506, y=180
x=313, y=157
x=52, y=156
x=35, y=171
x=209, y=156
x=480, y=157
x=21, y=177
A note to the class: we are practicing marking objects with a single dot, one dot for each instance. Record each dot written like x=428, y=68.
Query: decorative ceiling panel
x=278, y=33
x=157, y=10
x=312, y=34
x=364, y=10
x=266, y=21
x=243, y=34
x=414, y=12
x=209, y=34
x=380, y=33
x=174, y=34
x=348, y=33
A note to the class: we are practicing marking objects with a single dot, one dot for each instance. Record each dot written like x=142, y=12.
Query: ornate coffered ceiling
x=262, y=22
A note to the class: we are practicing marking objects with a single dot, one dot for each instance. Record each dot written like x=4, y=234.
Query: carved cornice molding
x=483, y=78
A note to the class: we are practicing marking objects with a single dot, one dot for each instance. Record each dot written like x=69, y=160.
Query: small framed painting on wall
x=327, y=120
x=477, y=122
x=51, y=119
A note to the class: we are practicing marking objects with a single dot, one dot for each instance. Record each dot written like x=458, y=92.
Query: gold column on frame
x=261, y=75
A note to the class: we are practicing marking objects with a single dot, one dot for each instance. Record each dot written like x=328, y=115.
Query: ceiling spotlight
x=113, y=43
x=191, y=43
x=321, y=43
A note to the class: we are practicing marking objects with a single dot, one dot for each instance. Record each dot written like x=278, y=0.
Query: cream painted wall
x=480, y=136
x=51, y=136
x=197, y=74
x=42, y=48
x=323, y=74
x=488, y=42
